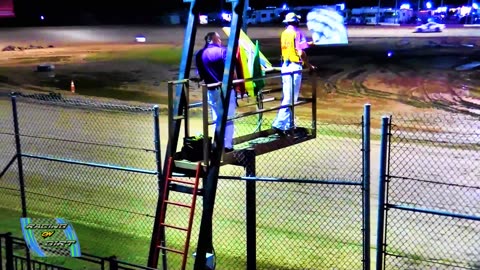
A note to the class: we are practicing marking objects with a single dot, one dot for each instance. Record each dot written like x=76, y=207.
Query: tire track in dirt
x=418, y=88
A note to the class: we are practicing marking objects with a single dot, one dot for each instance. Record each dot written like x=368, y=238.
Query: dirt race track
x=126, y=34
x=410, y=84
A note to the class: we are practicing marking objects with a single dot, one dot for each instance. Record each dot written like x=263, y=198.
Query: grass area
x=285, y=238
x=164, y=54
x=100, y=242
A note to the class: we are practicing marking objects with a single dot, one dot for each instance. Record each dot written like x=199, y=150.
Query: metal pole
x=170, y=117
x=366, y=186
x=251, y=210
x=113, y=264
x=292, y=102
x=160, y=179
x=314, y=104
x=20, y=167
x=187, y=109
x=205, y=241
x=19, y=156
x=156, y=141
x=381, y=193
x=184, y=72
x=8, y=252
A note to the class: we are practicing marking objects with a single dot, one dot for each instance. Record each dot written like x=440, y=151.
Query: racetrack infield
x=419, y=77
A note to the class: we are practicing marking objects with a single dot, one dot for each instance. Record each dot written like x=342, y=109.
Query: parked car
x=430, y=27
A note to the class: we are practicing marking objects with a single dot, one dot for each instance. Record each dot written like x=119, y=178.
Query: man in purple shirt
x=210, y=62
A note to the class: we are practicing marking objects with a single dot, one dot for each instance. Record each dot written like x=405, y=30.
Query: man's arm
x=302, y=45
x=304, y=57
x=199, y=64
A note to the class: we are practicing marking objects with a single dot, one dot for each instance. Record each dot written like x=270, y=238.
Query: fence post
x=366, y=187
x=113, y=264
x=8, y=251
x=19, y=155
x=20, y=168
x=159, y=232
x=251, y=204
x=381, y=193
x=156, y=141
x=292, y=101
x=314, y=103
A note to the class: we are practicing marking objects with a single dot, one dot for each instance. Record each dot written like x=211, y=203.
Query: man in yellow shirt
x=293, y=44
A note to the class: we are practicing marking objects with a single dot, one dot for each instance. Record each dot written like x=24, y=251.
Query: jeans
x=283, y=120
x=214, y=100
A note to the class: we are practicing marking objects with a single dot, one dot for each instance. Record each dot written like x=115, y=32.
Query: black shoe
x=228, y=150
x=297, y=132
x=301, y=131
x=280, y=132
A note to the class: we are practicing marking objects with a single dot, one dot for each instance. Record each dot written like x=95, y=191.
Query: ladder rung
x=179, y=117
x=268, y=99
x=179, y=204
x=181, y=181
x=184, y=189
x=171, y=249
x=174, y=227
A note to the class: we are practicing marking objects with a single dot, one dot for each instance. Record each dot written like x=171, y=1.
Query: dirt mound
x=10, y=48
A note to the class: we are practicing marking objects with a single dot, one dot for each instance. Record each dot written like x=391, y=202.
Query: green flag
x=257, y=70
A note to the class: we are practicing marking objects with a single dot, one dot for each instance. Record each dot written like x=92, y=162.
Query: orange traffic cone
x=72, y=87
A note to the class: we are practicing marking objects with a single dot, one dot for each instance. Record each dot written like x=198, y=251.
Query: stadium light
x=428, y=5
x=475, y=5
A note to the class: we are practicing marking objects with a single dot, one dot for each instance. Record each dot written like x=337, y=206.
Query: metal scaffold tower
x=213, y=157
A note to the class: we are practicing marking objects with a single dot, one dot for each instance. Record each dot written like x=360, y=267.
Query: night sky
x=64, y=12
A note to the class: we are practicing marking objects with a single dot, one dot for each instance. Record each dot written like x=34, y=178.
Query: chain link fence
x=433, y=192
x=307, y=201
x=94, y=164
x=298, y=226
x=335, y=154
x=90, y=162
x=9, y=184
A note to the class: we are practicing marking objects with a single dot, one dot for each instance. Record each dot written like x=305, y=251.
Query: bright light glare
x=428, y=5
x=475, y=5
x=203, y=19
x=42, y=18
x=405, y=6
x=140, y=39
x=284, y=6
x=227, y=17
x=389, y=54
